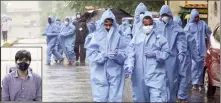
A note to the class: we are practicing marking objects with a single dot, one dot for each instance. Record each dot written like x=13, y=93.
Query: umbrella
x=6, y=17
x=95, y=15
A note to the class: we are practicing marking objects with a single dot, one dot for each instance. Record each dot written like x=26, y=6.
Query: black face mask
x=49, y=20
x=23, y=66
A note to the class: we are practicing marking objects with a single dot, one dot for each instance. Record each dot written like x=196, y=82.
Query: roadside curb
x=9, y=44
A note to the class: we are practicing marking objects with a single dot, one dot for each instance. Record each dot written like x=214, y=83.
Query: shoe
x=201, y=88
x=61, y=61
x=56, y=61
x=195, y=87
x=48, y=64
x=82, y=63
x=71, y=62
x=77, y=63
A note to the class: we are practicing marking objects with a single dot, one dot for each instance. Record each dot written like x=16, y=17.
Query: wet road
x=63, y=83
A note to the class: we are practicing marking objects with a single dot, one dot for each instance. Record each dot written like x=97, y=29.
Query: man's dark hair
x=109, y=19
x=23, y=54
x=67, y=19
x=147, y=17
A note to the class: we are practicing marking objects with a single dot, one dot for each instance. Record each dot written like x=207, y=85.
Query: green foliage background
x=126, y=5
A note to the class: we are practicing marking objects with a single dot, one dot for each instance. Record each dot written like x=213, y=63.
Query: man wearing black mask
x=22, y=84
x=81, y=34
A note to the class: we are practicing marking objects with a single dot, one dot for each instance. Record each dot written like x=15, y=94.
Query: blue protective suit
x=51, y=31
x=178, y=20
x=185, y=66
x=91, y=27
x=67, y=39
x=107, y=75
x=200, y=31
x=178, y=47
x=149, y=74
x=126, y=33
x=140, y=8
x=58, y=44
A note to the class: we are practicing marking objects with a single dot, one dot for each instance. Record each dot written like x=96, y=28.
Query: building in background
x=25, y=18
x=213, y=13
x=183, y=9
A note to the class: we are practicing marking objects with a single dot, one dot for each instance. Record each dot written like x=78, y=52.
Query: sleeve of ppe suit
x=69, y=32
x=87, y=40
x=163, y=54
x=52, y=34
x=181, y=43
x=207, y=31
x=54, y=31
x=121, y=56
x=94, y=54
x=192, y=46
x=130, y=55
x=45, y=31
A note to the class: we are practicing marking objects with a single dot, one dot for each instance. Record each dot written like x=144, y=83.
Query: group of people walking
x=163, y=59
x=66, y=37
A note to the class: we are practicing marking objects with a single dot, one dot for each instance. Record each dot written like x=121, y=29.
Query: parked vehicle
x=212, y=65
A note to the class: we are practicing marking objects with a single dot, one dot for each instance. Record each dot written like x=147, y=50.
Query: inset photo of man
x=21, y=78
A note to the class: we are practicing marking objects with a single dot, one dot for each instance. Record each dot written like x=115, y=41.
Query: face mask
x=141, y=16
x=165, y=19
x=147, y=29
x=23, y=66
x=66, y=23
x=58, y=22
x=123, y=22
x=49, y=21
x=78, y=16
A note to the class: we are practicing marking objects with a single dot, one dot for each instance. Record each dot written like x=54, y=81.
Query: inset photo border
x=10, y=68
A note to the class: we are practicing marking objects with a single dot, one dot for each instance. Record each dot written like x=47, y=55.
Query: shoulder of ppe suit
x=203, y=22
x=187, y=27
x=72, y=26
x=177, y=27
x=93, y=36
x=159, y=36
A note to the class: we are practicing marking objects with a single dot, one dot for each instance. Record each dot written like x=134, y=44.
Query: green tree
x=62, y=10
x=126, y=5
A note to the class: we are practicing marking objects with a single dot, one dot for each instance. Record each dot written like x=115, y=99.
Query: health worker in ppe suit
x=58, y=44
x=139, y=13
x=67, y=39
x=201, y=32
x=106, y=61
x=51, y=32
x=89, y=36
x=147, y=53
x=178, y=47
x=185, y=66
x=126, y=33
